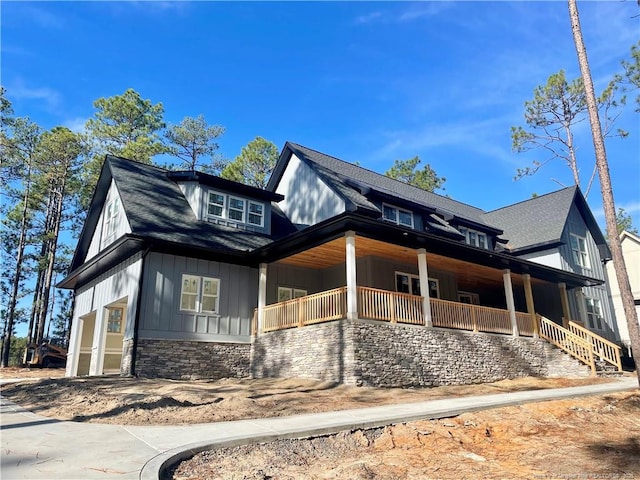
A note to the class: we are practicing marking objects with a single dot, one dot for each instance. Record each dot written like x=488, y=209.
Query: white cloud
x=20, y=91
x=368, y=18
x=76, y=125
x=405, y=15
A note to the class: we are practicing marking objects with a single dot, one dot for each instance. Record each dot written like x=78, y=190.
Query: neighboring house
x=631, y=252
x=186, y=275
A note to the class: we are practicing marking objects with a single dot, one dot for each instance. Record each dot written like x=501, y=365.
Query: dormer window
x=474, y=237
x=397, y=215
x=216, y=204
x=234, y=209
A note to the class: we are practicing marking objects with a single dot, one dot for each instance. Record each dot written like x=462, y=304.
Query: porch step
x=561, y=364
x=605, y=369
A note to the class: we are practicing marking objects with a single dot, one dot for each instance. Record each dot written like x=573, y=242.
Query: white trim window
x=287, y=293
x=114, y=320
x=236, y=209
x=256, y=214
x=579, y=250
x=468, y=297
x=407, y=283
x=111, y=218
x=216, y=204
x=474, y=237
x=199, y=294
x=397, y=215
x=594, y=313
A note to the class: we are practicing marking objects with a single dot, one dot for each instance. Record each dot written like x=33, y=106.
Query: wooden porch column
x=531, y=309
x=352, y=286
x=508, y=292
x=262, y=295
x=564, y=299
x=424, y=286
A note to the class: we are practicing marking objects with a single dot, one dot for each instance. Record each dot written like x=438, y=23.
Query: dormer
x=225, y=202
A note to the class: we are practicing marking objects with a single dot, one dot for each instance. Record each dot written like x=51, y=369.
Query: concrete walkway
x=36, y=447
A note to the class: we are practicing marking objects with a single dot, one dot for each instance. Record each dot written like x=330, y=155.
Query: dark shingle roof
x=537, y=221
x=156, y=209
x=350, y=180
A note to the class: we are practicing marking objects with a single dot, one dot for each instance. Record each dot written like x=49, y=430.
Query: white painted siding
x=193, y=193
x=307, y=199
x=98, y=241
x=120, y=282
x=550, y=258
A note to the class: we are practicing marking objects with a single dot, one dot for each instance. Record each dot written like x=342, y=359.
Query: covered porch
x=359, y=277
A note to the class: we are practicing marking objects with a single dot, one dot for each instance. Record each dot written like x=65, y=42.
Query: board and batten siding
x=307, y=199
x=115, y=285
x=160, y=314
x=98, y=242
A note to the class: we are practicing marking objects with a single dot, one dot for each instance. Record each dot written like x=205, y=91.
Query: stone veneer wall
x=188, y=360
x=380, y=354
x=127, y=358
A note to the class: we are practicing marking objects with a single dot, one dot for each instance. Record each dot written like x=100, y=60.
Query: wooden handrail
x=568, y=341
x=393, y=307
x=603, y=348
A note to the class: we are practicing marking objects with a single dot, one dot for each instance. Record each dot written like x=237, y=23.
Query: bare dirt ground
x=593, y=437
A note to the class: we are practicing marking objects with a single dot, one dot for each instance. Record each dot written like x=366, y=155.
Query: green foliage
x=128, y=126
x=254, y=164
x=407, y=171
x=192, y=139
x=631, y=74
x=125, y=125
x=624, y=222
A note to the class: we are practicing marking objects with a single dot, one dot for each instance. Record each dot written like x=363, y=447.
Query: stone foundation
x=384, y=355
x=188, y=360
x=127, y=358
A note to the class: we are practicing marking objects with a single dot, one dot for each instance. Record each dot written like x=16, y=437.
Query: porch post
x=96, y=364
x=531, y=309
x=508, y=292
x=352, y=286
x=424, y=286
x=565, y=304
x=262, y=295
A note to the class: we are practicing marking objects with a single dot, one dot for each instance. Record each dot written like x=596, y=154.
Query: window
x=199, y=294
x=470, y=298
x=407, y=283
x=286, y=293
x=236, y=209
x=114, y=322
x=594, y=313
x=256, y=214
x=240, y=210
x=215, y=206
x=111, y=220
x=579, y=250
x=397, y=215
x=475, y=238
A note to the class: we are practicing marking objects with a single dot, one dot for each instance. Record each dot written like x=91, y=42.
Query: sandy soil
x=140, y=401
x=594, y=437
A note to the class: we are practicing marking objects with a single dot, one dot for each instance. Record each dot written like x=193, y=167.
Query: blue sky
x=364, y=81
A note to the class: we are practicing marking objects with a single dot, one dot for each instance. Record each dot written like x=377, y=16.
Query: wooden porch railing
x=307, y=310
x=393, y=307
x=568, y=341
x=464, y=316
x=390, y=306
x=604, y=349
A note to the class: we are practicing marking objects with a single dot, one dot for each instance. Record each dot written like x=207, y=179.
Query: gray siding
x=161, y=317
x=576, y=225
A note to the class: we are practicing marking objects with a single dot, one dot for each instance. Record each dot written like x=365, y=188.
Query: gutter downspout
x=136, y=322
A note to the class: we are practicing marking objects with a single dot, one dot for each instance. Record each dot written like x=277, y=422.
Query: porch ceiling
x=333, y=253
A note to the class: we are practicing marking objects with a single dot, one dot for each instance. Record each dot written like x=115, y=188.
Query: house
x=631, y=252
x=333, y=272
